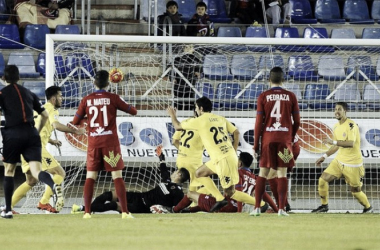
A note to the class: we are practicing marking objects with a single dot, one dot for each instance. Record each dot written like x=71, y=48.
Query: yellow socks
x=362, y=198
x=245, y=198
x=20, y=192
x=323, y=190
x=209, y=184
x=48, y=192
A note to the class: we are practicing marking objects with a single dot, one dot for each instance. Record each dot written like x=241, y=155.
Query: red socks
x=121, y=194
x=184, y=203
x=282, y=189
x=259, y=190
x=88, y=193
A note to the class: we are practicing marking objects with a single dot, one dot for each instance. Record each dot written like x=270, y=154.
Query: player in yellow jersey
x=214, y=132
x=347, y=163
x=49, y=163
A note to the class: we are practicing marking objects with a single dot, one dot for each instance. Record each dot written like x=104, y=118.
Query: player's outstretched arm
x=63, y=128
x=172, y=112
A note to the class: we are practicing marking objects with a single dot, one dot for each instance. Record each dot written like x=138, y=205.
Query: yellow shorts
x=226, y=169
x=48, y=161
x=352, y=175
x=191, y=166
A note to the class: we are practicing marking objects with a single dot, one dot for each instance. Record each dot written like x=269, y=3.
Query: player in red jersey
x=247, y=182
x=103, y=150
x=277, y=122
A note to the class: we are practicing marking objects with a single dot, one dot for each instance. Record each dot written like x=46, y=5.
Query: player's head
x=11, y=74
x=203, y=105
x=201, y=8
x=276, y=76
x=180, y=176
x=101, y=79
x=54, y=95
x=245, y=160
x=341, y=110
x=172, y=7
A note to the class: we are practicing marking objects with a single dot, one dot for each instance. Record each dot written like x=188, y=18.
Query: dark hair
x=343, y=104
x=171, y=3
x=201, y=4
x=185, y=175
x=11, y=74
x=205, y=103
x=276, y=75
x=246, y=159
x=52, y=91
x=101, y=79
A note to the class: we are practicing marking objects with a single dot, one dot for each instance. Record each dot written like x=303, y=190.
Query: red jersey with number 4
x=101, y=110
x=278, y=117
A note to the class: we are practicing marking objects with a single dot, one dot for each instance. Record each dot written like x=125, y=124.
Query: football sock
x=269, y=200
x=185, y=202
x=46, y=178
x=8, y=191
x=362, y=198
x=88, y=193
x=243, y=197
x=323, y=190
x=20, y=192
x=282, y=189
x=209, y=184
x=273, y=188
x=48, y=192
x=121, y=194
x=259, y=190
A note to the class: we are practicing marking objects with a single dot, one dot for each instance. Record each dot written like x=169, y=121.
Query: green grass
x=192, y=231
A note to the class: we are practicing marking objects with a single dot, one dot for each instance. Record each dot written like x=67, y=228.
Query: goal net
x=163, y=71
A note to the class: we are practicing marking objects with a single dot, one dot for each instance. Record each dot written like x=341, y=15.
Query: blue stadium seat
x=317, y=33
x=10, y=31
x=267, y=62
x=25, y=63
x=327, y=11
x=371, y=33
x=67, y=29
x=344, y=33
x=215, y=67
x=295, y=88
x=186, y=9
x=356, y=12
x=41, y=64
x=144, y=9
x=364, y=64
x=231, y=32
x=226, y=92
x=349, y=92
x=206, y=89
x=70, y=93
x=243, y=67
x=289, y=32
x=250, y=96
x=217, y=11
x=71, y=65
x=371, y=97
x=331, y=68
x=4, y=13
x=79, y=64
x=34, y=35
x=37, y=87
x=375, y=12
x=258, y=32
x=302, y=68
x=2, y=64
x=301, y=12
x=316, y=94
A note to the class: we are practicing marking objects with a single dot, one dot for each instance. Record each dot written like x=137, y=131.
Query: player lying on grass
x=168, y=193
x=246, y=184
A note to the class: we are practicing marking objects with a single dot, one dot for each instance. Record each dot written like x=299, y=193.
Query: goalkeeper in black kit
x=167, y=193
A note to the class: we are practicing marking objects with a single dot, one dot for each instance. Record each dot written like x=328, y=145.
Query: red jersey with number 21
x=101, y=110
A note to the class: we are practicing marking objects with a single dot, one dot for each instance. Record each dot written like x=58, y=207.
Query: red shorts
x=277, y=154
x=205, y=202
x=108, y=159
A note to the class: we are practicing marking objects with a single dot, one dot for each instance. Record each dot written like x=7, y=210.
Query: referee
x=20, y=137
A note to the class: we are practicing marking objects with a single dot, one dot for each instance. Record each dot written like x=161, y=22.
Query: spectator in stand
x=247, y=11
x=175, y=17
x=200, y=24
x=274, y=9
x=49, y=12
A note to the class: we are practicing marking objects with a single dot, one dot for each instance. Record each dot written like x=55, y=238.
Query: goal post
x=151, y=72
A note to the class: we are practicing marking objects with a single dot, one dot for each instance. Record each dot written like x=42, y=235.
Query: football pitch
x=192, y=231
